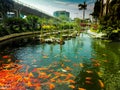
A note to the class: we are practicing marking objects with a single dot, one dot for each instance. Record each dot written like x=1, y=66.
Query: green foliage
x=77, y=24
x=32, y=21
x=63, y=18
x=3, y=31
x=112, y=19
x=66, y=25
x=109, y=22
x=97, y=8
x=48, y=27
x=116, y=31
x=95, y=28
x=14, y=21
x=15, y=25
x=109, y=30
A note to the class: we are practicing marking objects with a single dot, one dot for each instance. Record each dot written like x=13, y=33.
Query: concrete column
x=17, y=12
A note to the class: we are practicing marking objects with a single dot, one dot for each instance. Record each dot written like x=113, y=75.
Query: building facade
x=59, y=14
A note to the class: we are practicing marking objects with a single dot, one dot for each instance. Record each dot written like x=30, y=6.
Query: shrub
x=15, y=25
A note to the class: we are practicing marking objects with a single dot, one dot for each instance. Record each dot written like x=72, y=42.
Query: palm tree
x=83, y=7
x=5, y=6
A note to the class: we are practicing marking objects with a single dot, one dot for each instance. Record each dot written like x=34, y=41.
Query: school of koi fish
x=14, y=76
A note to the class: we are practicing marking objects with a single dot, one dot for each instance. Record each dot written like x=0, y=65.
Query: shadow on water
x=94, y=63
x=108, y=55
x=88, y=78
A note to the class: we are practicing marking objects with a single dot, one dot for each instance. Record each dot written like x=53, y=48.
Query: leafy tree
x=115, y=9
x=109, y=17
x=112, y=16
x=32, y=21
x=97, y=9
x=64, y=18
x=77, y=24
x=5, y=6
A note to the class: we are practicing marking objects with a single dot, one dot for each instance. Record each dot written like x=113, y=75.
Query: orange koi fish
x=69, y=75
x=81, y=89
x=5, y=57
x=45, y=57
x=31, y=74
x=105, y=61
x=44, y=68
x=52, y=80
x=59, y=81
x=104, y=54
x=67, y=60
x=101, y=84
x=71, y=81
x=38, y=88
x=55, y=77
x=96, y=64
x=88, y=82
x=68, y=68
x=88, y=78
x=29, y=84
x=72, y=86
x=89, y=71
x=51, y=86
x=81, y=65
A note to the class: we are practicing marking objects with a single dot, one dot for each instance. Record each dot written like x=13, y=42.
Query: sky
x=50, y=6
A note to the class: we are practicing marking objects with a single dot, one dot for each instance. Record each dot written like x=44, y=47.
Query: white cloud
x=60, y=2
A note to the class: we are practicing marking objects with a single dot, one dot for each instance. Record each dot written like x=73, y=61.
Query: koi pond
x=82, y=63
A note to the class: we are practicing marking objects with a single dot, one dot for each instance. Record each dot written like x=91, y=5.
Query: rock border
x=7, y=37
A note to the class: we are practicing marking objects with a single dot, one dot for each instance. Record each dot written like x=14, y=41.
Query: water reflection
x=88, y=78
x=108, y=55
x=92, y=62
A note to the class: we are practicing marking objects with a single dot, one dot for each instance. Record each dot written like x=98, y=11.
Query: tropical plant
x=77, y=24
x=32, y=21
x=3, y=31
x=51, y=22
x=14, y=25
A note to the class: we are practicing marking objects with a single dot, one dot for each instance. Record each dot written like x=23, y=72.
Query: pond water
x=82, y=63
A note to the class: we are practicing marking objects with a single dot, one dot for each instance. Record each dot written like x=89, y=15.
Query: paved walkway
x=6, y=37
x=17, y=35
x=93, y=34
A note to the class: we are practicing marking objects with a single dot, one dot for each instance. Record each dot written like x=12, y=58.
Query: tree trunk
x=107, y=6
x=83, y=14
x=101, y=9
